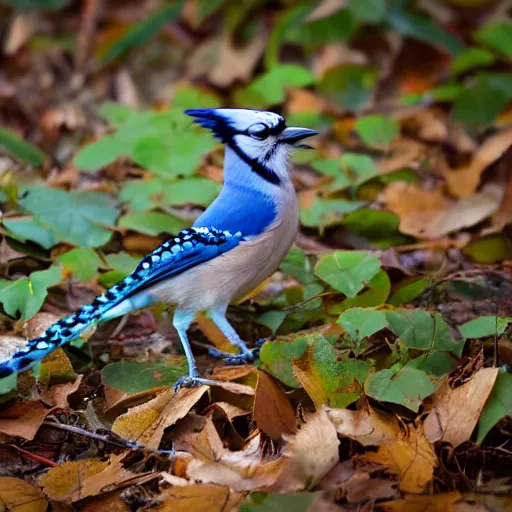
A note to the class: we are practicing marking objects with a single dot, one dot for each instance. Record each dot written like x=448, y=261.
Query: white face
x=256, y=135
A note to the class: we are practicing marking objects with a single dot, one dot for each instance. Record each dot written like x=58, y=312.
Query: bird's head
x=259, y=138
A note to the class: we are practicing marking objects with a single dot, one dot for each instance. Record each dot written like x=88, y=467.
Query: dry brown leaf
x=16, y=495
x=110, y=502
x=403, y=153
x=23, y=419
x=372, y=428
x=21, y=29
x=455, y=412
x=36, y=325
x=9, y=345
x=229, y=373
x=437, y=503
x=198, y=498
x=222, y=63
x=311, y=453
x=273, y=412
x=429, y=214
x=146, y=423
x=361, y=487
x=57, y=395
x=76, y=480
x=409, y=456
x=463, y=181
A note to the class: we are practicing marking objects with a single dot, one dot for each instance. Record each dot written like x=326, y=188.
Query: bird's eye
x=259, y=131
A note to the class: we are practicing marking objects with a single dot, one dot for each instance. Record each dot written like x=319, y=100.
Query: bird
x=232, y=247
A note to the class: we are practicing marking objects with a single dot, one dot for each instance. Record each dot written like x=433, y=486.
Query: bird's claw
x=188, y=381
x=244, y=358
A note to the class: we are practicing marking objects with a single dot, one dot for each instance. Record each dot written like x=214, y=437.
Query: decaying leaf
x=410, y=456
x=23, y=419
x=16, y=495
x=76, y=480
x=272, y=411
x=440, y=503
x=311, y=453
x=146, y=423
x=456, y=412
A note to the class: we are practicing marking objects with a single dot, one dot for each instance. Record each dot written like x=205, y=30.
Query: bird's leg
x=181, y=322
x=218, y=315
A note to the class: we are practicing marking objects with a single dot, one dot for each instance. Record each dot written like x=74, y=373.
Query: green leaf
x=415, y=24
x=191, y=97
x=270, y=89
x=362, y=322
x=261, y=502
x=488, y=249
x=498, y=405
x=297, y=264
x=157, y=193
x=351, y=85
x=7, y=384
x=116, y=113
x=378, y=226
x=142, y=31
x=99, y=154
x=434, y=363
x=351, y=169
x=331, y=29
x=78, y=217
x=276, y=357
x=377, y=131
x=327, y=212
x=369, y=11
x=406, y=294
x=83, y=263
x=480, y=102
x=407, y=387
x=472, y=58
x=325, y=378
x=417, y=329
x=272, y=319
x=484, y=326
x=21, y=149
x=348, y=271
x=133, y=377
x=27, y=228
x=122, y=262
x=376, y=293
x=26, y=295
x=152, y=223
x=497, y=36
x=172, y=157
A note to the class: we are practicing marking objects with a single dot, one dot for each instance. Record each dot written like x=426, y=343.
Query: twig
x=33, y=456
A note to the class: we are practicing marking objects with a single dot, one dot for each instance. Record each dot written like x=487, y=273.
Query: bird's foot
x=244, y=358
x=190, y=381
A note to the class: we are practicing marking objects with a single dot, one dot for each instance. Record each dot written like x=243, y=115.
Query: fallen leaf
x=36, y=325
x=361, y=488
x=56, y=368
x=429, y=214
x=272, y=410
x=404, y=152
x=463, y=181
x=455, y=412
x=145, y=424
x=409, y=456
x=16, y=495
x=372, y=428
x=198, y=497
x=23, y=419
x=9, y=345
x=223, y=63
x=438, y=503
x=76, y=480
x=311, y=453
x=57, y=395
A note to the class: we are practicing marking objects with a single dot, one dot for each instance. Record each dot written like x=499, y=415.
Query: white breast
x=237, y=272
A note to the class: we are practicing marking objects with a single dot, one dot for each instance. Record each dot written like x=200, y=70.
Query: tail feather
x=68, y=328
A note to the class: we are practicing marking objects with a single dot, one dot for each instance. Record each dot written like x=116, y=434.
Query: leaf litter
x=383, y=379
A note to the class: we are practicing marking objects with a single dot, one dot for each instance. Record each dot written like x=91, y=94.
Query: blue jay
x=231, y=248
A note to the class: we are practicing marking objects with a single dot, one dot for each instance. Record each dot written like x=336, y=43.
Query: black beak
x=293, y=135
